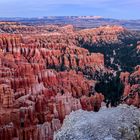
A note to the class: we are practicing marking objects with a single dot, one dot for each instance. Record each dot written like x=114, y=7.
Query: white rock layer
x=120, y=123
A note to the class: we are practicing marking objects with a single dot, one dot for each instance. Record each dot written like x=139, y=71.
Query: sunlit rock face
x=46, y=73
x=120, y=123
x=41, y=83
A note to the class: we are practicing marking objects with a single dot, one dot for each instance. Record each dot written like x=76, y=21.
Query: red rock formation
x=132, y=87
x=6, y=96
x=104, y=34
x=138, y=45
x=42, y=82
x=92, y=103
x=44, y=75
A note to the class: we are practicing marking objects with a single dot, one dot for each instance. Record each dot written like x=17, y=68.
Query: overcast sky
x=122, y=9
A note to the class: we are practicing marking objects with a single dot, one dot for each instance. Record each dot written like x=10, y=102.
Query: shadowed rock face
x=120, y=123
x=45, y=74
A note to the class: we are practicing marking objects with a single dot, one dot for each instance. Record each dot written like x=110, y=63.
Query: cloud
x=92, y=3
x=59, y=2
x=80, y=2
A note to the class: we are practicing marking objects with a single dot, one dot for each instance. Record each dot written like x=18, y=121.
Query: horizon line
x=41, y=17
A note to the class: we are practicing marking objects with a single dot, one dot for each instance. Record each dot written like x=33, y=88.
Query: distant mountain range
x=78, y=21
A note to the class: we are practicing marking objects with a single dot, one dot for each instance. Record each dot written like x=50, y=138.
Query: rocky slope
x=116, y=39
x=47, y=71
x=120, y=123
x=41, y=83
